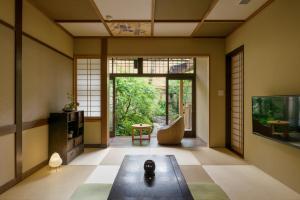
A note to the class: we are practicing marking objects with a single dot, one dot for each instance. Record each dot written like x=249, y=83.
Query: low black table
x=168, y=182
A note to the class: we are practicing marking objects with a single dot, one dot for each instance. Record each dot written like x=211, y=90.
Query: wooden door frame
x=187, y=134
x=228, y=99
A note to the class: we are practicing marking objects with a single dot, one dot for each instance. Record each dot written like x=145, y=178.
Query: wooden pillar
x=180, y=102
x=18, y=88
x=104, y=94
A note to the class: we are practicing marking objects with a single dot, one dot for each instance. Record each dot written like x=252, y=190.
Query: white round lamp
x=55, y=160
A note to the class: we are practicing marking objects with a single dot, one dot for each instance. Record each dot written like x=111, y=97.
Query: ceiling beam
x=152, y=17
x=151, y=37
x=101, y=17
x=157, y=21
x=211, y=7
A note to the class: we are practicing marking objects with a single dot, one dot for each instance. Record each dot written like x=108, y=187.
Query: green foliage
x=72, y=105
x=174, y=96
x=266, y=109
x=136, y=103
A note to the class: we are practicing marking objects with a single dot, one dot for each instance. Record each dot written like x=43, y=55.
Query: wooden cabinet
x=66, y=134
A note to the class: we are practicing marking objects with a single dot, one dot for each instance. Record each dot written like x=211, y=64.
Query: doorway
x=173, y=80
x=181, y=101
x=235, y=101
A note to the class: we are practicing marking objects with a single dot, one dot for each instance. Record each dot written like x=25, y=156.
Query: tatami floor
x=237, y=178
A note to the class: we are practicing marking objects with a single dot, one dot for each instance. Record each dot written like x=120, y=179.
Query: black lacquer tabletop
x=168, y=182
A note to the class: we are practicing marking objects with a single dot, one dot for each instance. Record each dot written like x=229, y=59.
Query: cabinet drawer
x=78, y=140
x=70, y=144
x=71, y=155
x=74, y=152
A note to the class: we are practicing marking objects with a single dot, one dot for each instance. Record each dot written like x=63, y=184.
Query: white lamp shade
x=55, y=160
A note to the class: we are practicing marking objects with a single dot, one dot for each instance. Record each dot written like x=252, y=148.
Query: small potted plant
x=72, y=105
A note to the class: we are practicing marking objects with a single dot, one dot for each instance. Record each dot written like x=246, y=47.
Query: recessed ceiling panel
x=233, y=10
x=67, y=9
x=181, y=9
x=136, y=29
x=125, y=9
x=173, y=29
x=85, y=29
x=216, y=29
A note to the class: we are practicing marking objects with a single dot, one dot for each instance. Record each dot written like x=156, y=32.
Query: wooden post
x=180, y=97
x=18, y=88
x=104, y=94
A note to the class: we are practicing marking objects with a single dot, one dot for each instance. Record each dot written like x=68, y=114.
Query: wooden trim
x=65, y=30
x=7, y=24
x=76, y=56
x=34, y=169
x=78, y=21
x=224, y=20
x=26, y=174
x=211, y=7
x=35, y=39
x=46, y=45
x=8, y=129
x=104, y=94
x=95, y=146
x=152, y=17
x=18, y=88
x=34, y=124
x=149, y=21
x=92, y=119
x=210, y=123
x=33, y=3
x=113, y=134
x=260, y=9
x=150, y=37
x=228, y=100
x=8, y=185
x=100, y=16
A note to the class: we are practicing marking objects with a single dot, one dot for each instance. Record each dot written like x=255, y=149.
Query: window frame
x=86, y=118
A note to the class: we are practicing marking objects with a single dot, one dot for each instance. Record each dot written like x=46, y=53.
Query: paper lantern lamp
x=55, y=160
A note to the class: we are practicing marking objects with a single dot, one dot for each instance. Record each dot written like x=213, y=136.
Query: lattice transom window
x=155, y=65
x=88, y=88
x=181, y=65
x=123, y=66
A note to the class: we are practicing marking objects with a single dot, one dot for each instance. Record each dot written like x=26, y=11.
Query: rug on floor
x=200, y=191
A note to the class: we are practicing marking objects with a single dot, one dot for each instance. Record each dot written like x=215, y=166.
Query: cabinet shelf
x=60, y=126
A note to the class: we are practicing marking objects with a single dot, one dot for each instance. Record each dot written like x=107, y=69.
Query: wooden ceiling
x=150, y=18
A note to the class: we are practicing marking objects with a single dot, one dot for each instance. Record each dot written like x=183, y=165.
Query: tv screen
x=277, y=117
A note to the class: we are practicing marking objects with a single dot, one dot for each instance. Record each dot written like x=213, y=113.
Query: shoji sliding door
x=235, y=101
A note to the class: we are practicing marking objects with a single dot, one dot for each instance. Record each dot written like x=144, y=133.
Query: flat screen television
x=277, y=118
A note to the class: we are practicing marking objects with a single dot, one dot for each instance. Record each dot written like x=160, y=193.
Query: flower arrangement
x=72, y=105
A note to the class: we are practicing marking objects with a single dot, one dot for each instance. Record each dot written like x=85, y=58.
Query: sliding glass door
x=180, y=102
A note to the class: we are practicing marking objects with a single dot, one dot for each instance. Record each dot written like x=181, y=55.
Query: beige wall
x=272, y=67
x=7, y=156
x=7, y=74
x=47, y=78
x=36, y=24
x=92, y=132
x=7, y=11
x=7, y=141
x=179, y=46
x=87, y=46
x=34, y=146
x=202, y=98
